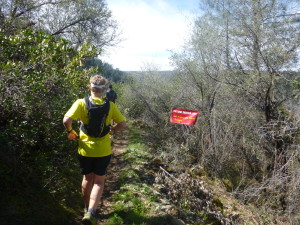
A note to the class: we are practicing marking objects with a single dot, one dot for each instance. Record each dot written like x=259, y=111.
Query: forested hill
x=239, y=70
x=113, y=74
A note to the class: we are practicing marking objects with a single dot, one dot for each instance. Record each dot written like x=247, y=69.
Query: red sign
x=184, y=116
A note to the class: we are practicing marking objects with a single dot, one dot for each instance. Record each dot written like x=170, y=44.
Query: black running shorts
x=96, y=165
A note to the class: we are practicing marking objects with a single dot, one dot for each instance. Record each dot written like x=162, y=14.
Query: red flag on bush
x=183, y=116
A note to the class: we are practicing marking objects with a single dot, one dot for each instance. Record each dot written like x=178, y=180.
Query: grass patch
x=132, y=204
x=115, y=220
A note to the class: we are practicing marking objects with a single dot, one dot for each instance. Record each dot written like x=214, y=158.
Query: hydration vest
x=97, y=116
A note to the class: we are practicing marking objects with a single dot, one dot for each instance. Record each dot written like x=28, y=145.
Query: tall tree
x=260, y=41
x=78, y=21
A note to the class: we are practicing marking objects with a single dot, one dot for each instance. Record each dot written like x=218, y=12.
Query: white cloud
x=149, y=30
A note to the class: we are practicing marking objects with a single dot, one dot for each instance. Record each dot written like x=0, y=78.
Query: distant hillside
x=165, y=74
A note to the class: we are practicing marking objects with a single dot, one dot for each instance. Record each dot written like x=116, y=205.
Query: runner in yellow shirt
x=94, y=150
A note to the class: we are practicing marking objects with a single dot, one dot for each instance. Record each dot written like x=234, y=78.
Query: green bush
x=40, y=78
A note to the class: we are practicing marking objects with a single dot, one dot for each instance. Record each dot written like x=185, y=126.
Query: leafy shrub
x=40, y=78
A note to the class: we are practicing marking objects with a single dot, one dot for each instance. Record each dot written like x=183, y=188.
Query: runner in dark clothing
x=111, y=95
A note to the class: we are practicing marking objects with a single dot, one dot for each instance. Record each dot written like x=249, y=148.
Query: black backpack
x=97, y=116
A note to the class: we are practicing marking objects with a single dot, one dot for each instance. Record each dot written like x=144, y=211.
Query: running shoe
x=89, y=219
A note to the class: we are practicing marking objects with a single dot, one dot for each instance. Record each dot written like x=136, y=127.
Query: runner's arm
x=72, y=134
x=67, y=121
x=118, y=127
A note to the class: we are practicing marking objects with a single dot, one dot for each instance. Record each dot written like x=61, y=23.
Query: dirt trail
x=120, y=143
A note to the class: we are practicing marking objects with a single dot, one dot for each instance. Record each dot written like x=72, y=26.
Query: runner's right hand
x=72, y=135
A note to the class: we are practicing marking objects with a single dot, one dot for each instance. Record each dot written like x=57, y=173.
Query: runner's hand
x=112, y=131
x=72, y=135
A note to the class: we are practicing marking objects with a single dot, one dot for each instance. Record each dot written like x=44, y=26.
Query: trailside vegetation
x=40, y=77
x=238, y=69
x=44, y=47
x=43, y=69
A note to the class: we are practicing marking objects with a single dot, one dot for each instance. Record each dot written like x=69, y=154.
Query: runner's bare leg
x=97, y=191
x=86, y=187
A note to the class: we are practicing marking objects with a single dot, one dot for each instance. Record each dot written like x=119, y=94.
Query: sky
x=150, y=30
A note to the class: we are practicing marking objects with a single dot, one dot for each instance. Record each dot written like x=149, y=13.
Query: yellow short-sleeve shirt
x=89, y=146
